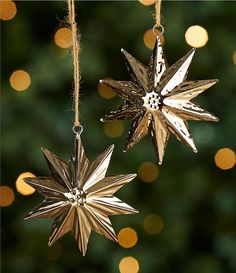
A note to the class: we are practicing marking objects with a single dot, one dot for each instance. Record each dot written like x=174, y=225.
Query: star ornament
x=157, y=100
x=78, y=195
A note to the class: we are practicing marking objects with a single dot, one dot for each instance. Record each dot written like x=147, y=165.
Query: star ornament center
x=76, y=197
x=157, y=100
x=79, y=197
x=152, y=101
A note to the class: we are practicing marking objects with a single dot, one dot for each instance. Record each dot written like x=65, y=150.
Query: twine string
x=158, y=12
x=76, y=50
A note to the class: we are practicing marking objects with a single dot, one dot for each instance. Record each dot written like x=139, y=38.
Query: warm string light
x=21, y=186
x=225, y=159
x=63, y=37
x=127, y=237
x=20, y=80
x=114, y=129
x=148, y=171
x=7, y=10
x=129, y=265
x=6, y=196
x=196, y=36
x=153, y=224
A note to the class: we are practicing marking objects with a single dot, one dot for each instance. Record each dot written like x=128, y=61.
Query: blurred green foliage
x=196, y=200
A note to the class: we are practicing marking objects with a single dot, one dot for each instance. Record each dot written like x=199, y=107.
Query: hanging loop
x=158, y=30
x=77, y=129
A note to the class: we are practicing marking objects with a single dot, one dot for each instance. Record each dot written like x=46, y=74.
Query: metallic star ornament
x=157, y=100
x=78, y=195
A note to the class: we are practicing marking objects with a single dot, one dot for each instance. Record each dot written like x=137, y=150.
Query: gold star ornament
x=78, y=195
x=157, y=100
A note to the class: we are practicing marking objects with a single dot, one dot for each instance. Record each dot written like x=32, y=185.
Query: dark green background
x=196, y=200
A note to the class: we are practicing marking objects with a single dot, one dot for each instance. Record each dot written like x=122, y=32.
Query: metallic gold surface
x=157, y=100
x=78, y=195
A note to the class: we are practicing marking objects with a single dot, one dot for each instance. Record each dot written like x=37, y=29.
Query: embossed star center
x=152, y=101
x=76, y=196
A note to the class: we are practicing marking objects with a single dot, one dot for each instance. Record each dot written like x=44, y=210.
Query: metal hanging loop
x=77, y=129
x=158, y=30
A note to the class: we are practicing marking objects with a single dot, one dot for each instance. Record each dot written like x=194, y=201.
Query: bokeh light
x=23, y=187
x=149, y=38
x=147, y=2
x=127, y=237
x=147, y=171
x=6, y=196
x=129, y=265
x=63, y=37
x=20, y=80
x=105, y=91
x=7, y=10
x=234, y=57
x=153, y=224
x=114, y=128
x=225, y=159
x=196, y=36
